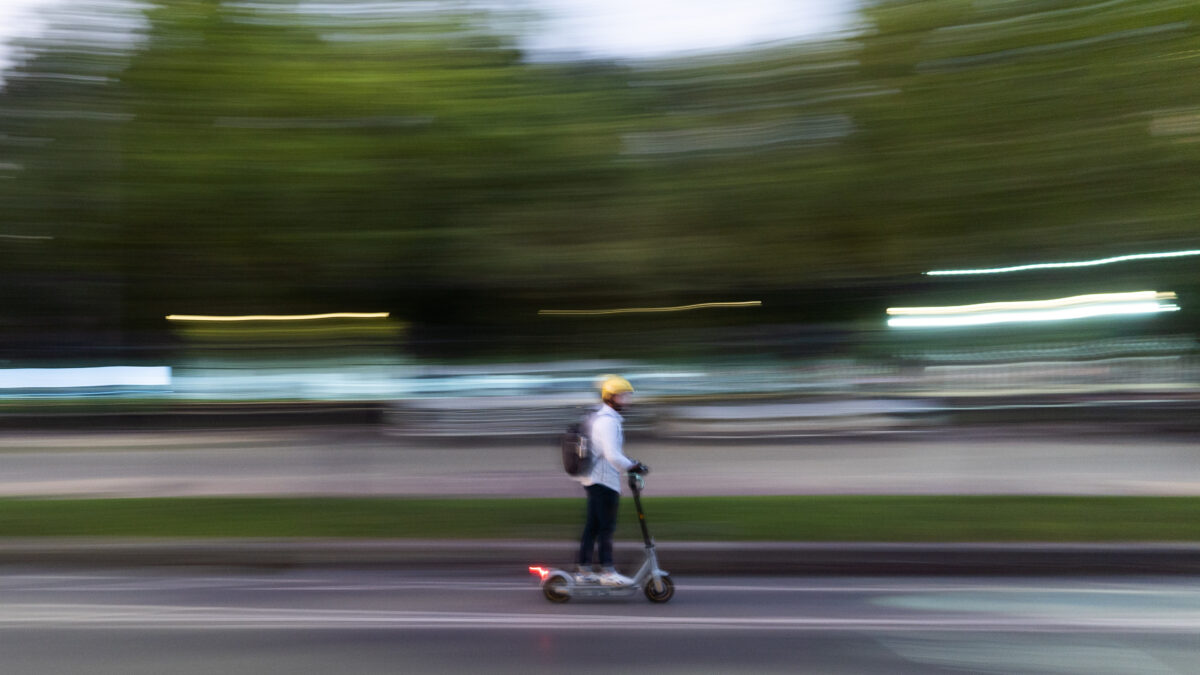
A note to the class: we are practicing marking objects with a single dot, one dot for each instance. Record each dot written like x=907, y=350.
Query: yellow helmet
x=611, y=385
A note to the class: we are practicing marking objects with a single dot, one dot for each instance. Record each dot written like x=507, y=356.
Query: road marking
x=900, y=588
x=17, y=616
x=65, y=583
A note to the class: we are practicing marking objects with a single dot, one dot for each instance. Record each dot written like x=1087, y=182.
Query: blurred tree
x=285, y=157
x=60, y=124
x=275, y=161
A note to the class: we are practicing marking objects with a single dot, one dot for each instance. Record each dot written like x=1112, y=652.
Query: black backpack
x=576, y=448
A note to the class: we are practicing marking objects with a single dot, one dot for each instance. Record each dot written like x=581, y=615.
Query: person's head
x=615, y=391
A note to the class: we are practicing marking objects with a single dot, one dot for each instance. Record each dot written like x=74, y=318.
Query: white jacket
x=607, y=444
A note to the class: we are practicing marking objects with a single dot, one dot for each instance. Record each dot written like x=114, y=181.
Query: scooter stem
x=635, y=485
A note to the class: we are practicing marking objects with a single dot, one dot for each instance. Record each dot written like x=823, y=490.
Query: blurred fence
x=699, y=401
x=812, y=399
x=1157, y=373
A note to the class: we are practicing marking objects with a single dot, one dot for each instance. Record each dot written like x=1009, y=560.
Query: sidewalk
x=707, y=558
x=348, y=461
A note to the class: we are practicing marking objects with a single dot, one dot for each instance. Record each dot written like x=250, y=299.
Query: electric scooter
x=560, y=585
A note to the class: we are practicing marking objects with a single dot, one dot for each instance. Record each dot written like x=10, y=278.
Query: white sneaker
x=614, y=578
x=586, y=576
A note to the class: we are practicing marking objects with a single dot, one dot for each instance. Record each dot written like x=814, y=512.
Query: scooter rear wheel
x=555, y=590
x=666, y=593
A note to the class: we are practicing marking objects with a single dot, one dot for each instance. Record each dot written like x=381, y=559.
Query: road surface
x=220, y=621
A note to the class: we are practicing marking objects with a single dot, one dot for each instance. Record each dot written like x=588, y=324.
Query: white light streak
x=1057, y=309
x=1090, y=299
x=1081, y=263
x=104, y=376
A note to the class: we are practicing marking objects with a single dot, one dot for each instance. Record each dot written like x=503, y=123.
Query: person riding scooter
x=603, y=482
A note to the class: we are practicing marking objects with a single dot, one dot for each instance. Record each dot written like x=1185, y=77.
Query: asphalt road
x=346, y=460
x=349, y=621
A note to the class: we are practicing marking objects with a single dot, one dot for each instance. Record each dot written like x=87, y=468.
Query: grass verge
x=800, y=518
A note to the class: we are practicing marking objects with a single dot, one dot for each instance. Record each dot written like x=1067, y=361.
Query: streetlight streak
x=1057, y=309
x=279, y=317
x=643, y=310
x=1081, y=263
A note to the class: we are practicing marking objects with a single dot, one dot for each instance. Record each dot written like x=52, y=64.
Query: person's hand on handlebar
x=640, y=468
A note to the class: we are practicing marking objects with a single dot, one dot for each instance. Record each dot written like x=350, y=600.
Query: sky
x=620, y=29
x=657, y=28
x=18, y=18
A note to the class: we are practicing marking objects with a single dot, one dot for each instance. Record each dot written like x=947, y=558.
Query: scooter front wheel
x=555, y=589
x=665, y=592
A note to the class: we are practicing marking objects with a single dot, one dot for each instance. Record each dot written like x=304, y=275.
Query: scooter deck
x=601, y=591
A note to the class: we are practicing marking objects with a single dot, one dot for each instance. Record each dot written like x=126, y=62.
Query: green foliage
x=240, y=160
x=800, y=518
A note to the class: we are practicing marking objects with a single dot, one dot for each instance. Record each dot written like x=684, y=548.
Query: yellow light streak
x=280, y=317
x=1095, y=298
x=645, y=310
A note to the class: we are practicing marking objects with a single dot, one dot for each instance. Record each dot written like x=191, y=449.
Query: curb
x=725, y=558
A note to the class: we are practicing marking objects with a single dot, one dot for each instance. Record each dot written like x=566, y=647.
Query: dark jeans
x=601, y=521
